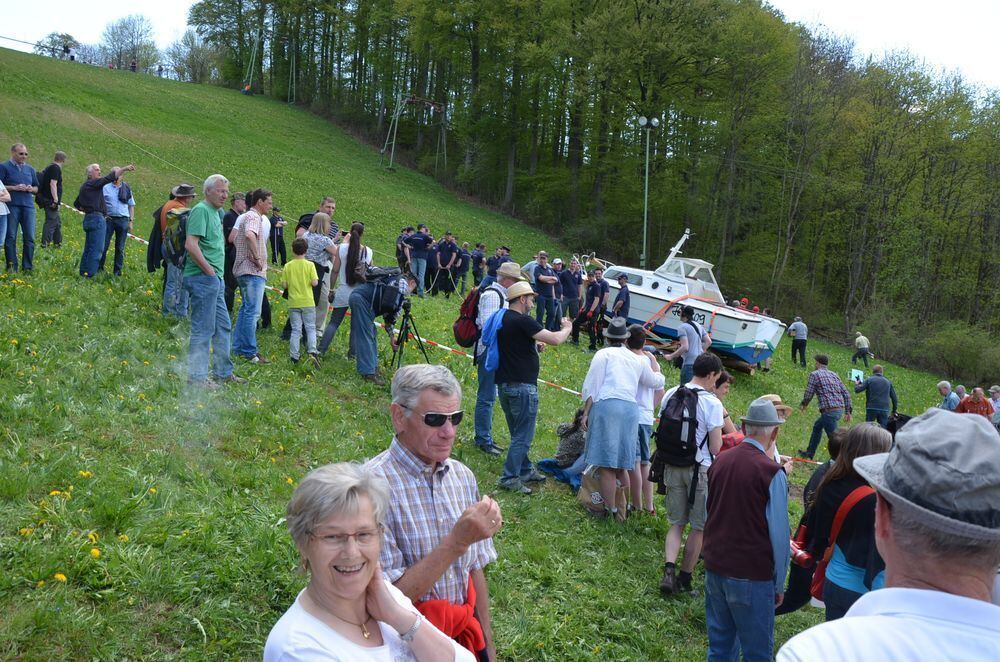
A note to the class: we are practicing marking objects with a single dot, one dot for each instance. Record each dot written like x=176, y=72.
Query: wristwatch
x=412, y=632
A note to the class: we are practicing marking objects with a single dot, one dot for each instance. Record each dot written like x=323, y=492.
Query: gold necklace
x=363, y=624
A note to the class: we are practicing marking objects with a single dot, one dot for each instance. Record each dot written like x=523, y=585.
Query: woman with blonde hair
x=346, y=259
x=321, y=252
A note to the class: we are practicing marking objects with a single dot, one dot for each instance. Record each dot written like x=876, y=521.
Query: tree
x=191, y=58
x=130, y=39
x=56, y=44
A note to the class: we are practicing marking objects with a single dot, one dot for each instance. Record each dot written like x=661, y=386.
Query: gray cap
x=995, y=389
x=944, y=471
x=617, y=329
x=763, y=413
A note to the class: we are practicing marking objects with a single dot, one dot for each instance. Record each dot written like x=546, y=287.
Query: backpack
x=676, y=442
x=387, y=297
x=465, y=330
x=174, y=236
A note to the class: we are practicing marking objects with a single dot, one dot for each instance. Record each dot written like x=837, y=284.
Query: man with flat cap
x=937, y=526
x=745, y=547
x=175, y=297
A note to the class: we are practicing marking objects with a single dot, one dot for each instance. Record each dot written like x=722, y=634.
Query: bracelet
x=412, y=632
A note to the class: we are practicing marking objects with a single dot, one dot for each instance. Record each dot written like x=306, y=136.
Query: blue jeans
x=827, y=421
x=520, y=406
x=881, y=416
x=687, y=373
x=419, y=265
x=3, y=228
x=94, y=230
x=23, y=219
x=302, y=318
x=332, y=325
x=175, y=297
x=545, y=307
x=209, y=324
x=245, y=333
x=117, y=227
x=363, y=328
x=739, y=614
x=486, y=395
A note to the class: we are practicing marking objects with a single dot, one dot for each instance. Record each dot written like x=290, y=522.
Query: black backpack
x=387, y=297
x=676, y=435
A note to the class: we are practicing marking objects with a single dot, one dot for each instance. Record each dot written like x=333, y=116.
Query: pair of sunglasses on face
x=433, y=419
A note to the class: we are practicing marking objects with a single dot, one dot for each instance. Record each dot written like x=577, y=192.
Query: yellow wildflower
x=13, y=341
x=123, y=538
x=289, y=481
x=83, y=473
x=41, y=583
x=95, y=553
x=26, y=531
x=152, y=490
x=59, y=577
x=92, y=537
x=55, y=493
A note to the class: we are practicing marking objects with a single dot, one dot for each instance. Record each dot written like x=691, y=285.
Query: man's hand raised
x=480, y=521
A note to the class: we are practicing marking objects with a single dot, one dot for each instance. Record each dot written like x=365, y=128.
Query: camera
x=405, y=304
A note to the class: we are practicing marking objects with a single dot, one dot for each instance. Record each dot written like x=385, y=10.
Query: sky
x=955, y=35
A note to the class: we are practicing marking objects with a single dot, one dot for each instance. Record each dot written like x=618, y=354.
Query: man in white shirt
x=687, y=486
x=937, y=525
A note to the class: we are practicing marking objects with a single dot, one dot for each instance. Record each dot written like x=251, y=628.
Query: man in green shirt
x=206, y=256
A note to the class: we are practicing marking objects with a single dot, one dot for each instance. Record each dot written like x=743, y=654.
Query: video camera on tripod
x=388, y=299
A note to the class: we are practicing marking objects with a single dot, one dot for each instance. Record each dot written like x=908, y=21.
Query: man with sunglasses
x=21, y=181
x=438, y=531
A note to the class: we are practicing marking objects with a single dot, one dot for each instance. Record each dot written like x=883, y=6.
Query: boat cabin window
x=612, y=277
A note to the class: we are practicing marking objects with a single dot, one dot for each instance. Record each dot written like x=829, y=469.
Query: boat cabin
x=695, y=274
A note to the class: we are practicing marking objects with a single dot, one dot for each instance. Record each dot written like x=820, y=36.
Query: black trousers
x=800, y=347
x=592, y=325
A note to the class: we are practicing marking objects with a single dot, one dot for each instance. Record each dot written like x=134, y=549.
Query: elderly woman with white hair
x=348, y=611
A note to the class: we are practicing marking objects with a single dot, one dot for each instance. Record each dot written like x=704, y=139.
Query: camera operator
x=383, y=297
x=277, y=237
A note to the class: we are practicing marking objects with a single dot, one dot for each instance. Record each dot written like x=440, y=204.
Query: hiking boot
x=375, y=379
x=668, y=585
x=315, y=359
x=804, y=454
x=492, y=449
x=231, y=379
x=294, y=359
x=514, y=485
x=684, y=586
x=532, y=477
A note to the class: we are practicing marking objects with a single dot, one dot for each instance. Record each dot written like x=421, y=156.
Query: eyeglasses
x=435, y=419
x=366, y=538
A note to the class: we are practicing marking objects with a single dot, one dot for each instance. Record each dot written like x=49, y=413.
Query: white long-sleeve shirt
x=615, y=372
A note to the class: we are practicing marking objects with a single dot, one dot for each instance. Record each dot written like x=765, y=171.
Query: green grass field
x=144, y=519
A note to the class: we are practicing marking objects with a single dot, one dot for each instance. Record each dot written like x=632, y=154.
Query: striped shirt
x=489, y=303
x=426, y=502
x=829, y=390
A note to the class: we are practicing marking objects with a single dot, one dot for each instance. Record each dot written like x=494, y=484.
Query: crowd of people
x=894, y=532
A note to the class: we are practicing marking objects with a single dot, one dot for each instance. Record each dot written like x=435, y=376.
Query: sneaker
x=231, y=379
x=514, y=485
x=294, y=359
x=684, y=586
x=375, y=379
x=533, y=477
x=261, y=359
x=315, y=359
x=668, y=585
x=206, y=384
x=492, y=449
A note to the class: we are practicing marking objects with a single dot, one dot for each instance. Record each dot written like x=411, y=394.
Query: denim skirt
x=611, y=434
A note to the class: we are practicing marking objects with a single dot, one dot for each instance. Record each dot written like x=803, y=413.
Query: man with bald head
x=21, y=181
x=90, y=200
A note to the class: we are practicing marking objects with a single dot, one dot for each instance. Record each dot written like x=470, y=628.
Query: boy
x=300, y=279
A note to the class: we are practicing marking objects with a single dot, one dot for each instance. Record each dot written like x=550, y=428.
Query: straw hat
x=783, y=410
x=510, y=270
x=518, y=289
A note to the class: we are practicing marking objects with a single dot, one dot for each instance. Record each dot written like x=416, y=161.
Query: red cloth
x=457, y=621
x=731, y=440
x=970, y=406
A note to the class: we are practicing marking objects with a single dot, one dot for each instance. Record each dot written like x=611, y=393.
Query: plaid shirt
x=489, y=304
x=828, y=388
x=425, y=504
x=243, y=265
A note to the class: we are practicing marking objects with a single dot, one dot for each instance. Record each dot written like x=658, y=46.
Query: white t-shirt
x=710, y=411
x=3, y=207
x=644, y=398
x=342, y=294
x=904, y=624
x=298, y=635
x=615, y=372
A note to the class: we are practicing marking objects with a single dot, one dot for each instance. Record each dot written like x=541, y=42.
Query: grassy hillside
x=144, y=519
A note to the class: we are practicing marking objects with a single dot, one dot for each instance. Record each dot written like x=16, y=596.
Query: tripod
x=405, y=327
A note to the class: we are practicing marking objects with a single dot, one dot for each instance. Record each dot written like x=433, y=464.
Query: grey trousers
x=52, y=230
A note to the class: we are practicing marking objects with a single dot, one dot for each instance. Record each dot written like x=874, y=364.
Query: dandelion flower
x=59, y=577
x=152, y=490
x=92, y=537
x=41, y=583
x=13, y=341
x=289, y=481
x=95, y=553
x=123, y=538
x=26, y=531
x=55, y=493
x=85, y=474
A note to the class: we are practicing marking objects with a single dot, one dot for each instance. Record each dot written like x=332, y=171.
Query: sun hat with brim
x=510, y=270
x=763, y=413
x=617, y=329
x=944, y=472
x=995, y=389
x=183, y=191
x=784, y=411
x=518, y=290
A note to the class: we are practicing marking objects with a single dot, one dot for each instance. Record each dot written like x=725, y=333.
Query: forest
x=857, y=192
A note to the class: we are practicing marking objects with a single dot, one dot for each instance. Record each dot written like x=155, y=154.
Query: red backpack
x=465, y=329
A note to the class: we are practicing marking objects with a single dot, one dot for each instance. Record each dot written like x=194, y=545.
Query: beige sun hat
x=519, y=289
x=510, y=270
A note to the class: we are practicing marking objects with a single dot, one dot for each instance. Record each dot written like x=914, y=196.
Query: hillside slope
x=182, y=493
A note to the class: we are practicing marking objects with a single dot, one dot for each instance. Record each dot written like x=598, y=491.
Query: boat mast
x=677, y=247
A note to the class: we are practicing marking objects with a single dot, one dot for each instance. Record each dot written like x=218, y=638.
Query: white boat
x=658, y=296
